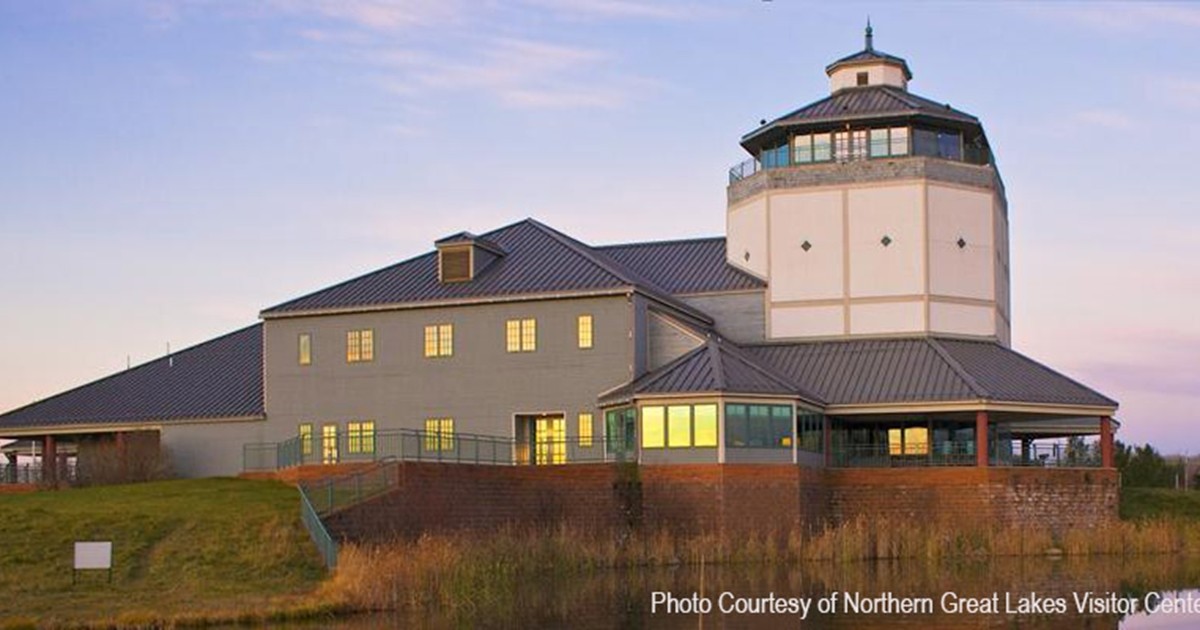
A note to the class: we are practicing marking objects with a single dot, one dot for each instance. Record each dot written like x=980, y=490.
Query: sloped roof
x=868, y=55
x=715, y=366
x=221, y=378
x=922, y=370
x=537, y=260
x=685, y=266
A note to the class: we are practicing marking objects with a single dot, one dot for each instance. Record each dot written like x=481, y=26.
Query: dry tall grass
x=469, y=572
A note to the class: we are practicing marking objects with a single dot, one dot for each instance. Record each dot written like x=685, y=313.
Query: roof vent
x=463, y=256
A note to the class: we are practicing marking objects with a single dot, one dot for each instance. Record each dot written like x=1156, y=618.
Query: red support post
x=49, y=461
x=1107, y=456
x=981, y=439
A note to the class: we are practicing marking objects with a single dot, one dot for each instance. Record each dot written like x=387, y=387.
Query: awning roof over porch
x=926, y=369
x=221, y=378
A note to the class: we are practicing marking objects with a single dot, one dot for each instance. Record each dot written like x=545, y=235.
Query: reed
x=470, y=571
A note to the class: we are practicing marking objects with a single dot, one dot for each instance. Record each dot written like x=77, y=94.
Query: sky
x=169, y=169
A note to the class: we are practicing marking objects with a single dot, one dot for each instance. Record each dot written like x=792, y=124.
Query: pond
x=1020, y=592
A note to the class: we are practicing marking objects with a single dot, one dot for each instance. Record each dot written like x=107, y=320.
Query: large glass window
x=360, y=437
x=520, y=335
x=879, y=143
x=758, y=426
x=822, y=147
x=774, y=158
x=439, y=340
x=329, y=444
x=802, y=149
x=899, y=140
x=679, y=426
x=305, y=349
x=585, y=430
x=584, y=330
x=306, y=438
x=439, y=434
x=810, y=429
x=704, y=425
x=943, y=144
x=653, y=429
x=908, y=441
x=620, y=429
x=360, y=345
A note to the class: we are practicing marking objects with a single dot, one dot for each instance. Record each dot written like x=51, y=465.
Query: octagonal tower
x=873, y=212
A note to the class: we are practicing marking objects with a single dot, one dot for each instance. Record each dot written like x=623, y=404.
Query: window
x=439, y=434
x=802, y=149
x=620, y=429
x=360, y=345
x=704, y=425
x=679, y=426
x=908, y=441
x=653, y=435
x=329, y=444
x=550, y=439
x=439, y=340
x=520, y=335
x=822, y=147
x=584, y=326
x=455, y=264
x=585, y=430
x=943, y=144
x=758, y=426
x=879, y=143
x=360, y=437
x=306, y=438
x=810, y=427
x=861, y=78
x=305, y=349
x=899, y=140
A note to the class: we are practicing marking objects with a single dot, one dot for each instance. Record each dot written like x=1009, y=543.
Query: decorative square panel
x=961, y=242
x=886, y=240
x=806, y=246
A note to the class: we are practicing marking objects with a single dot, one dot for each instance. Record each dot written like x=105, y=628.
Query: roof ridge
x=739, y=354
x=129, y=370
x=620, y=272
x=957, y=367
x=667, y=241
x=714, y=351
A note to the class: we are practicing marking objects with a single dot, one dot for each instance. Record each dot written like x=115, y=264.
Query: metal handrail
x=325, y=543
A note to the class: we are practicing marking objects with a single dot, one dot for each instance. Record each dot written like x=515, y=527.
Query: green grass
x=1159, y=503
x=189, y=548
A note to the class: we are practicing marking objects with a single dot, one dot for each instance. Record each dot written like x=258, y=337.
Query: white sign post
x=93, y=555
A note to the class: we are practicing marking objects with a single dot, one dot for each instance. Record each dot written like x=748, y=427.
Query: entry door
x=550, y=440
x=329, y=444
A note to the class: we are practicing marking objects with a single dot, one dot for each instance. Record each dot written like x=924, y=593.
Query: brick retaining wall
x=731, y=498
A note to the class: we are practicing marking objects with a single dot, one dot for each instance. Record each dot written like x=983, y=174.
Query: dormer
x=868, y=67
x=463, y=256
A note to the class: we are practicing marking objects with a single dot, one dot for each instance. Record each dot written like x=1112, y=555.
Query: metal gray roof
x=537, y=260
x=867, y=55
x=221, y=378
x=685, y=266
x=922, y=370
x=714, y=366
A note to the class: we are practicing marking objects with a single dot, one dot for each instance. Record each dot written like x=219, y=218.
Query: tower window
x=862, y=78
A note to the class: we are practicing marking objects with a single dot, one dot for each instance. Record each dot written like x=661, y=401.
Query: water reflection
x=622, y=599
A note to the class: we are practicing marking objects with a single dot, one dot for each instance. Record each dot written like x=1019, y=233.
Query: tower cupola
x=868, y=67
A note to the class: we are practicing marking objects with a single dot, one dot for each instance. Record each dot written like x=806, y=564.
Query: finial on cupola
x=870, y=44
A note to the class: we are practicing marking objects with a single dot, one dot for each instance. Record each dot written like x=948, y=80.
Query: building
x=856, y=314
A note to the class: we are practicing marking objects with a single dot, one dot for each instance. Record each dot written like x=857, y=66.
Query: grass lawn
x=180, y=549
x=1148, y=503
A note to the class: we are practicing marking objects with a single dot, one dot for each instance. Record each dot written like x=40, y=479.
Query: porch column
x=828, y=442
x=10, y=471
x=1026, y=446
x=49, y=461
x=1107, y=456
x=981, y=439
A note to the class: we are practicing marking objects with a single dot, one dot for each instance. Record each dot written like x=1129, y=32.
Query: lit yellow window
x=679, y=426
x=653, y=433
x=439, y=434
x=704, y=425
x=360, y=437
x=439, y=340
x=306, y=439
x=585, y=430
x=520, y=335
x=585, y=331
x=305, y=349
x=916, y=441
x=329, y=444
x=360, y=345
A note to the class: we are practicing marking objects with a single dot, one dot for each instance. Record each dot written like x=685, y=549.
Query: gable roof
x=927, y=369
x=220, y=378
x=684, y=266
x=716, y=366
x=538, y=260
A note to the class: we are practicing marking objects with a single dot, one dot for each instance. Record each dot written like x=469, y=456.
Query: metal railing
x=429, y=446
x=326, y=546
x=1053, y=456
x=744, y=169
x=884, y=456
x=34, y=474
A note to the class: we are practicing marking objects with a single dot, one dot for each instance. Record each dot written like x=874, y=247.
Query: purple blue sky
x=168, y=169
